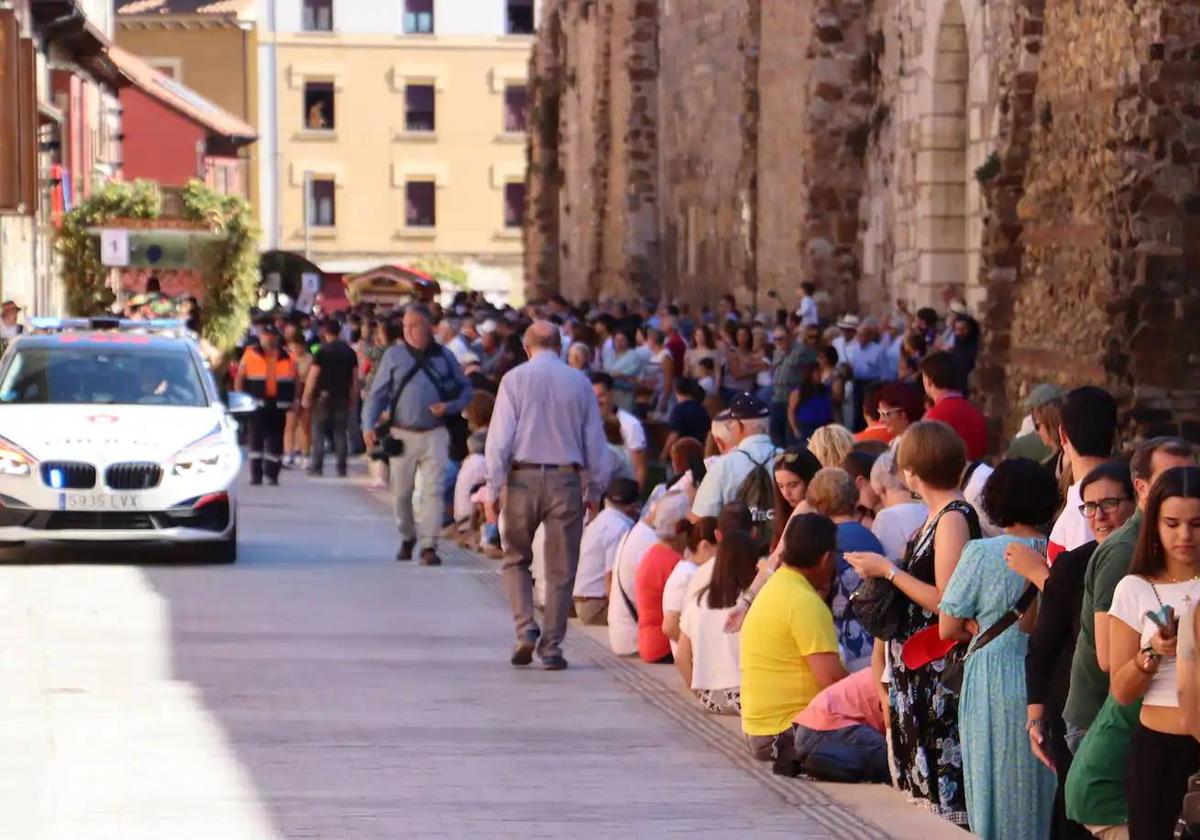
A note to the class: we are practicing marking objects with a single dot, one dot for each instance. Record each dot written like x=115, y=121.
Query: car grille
x=135, y=476
x=70, y=475
x=88, y=521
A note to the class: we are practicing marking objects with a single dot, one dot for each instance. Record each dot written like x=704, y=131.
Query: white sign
x=114, y=247
x=310, y=286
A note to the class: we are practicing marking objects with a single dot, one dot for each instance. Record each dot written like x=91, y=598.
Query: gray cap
x=1042, y=394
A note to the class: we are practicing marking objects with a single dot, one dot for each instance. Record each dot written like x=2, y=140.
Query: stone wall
x=1038, y=158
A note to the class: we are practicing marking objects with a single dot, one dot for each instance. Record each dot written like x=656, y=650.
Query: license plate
x=99, y=501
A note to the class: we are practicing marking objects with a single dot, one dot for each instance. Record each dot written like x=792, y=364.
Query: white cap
x=488, y=326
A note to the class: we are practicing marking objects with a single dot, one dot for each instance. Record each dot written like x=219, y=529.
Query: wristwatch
x=891, y=575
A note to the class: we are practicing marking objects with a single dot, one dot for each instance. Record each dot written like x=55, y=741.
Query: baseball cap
x=1042, y=394
x=623, y=491
x=745, y=406
x=488, y=326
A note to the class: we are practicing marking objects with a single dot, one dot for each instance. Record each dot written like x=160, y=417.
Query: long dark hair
x=1178, y=482
x=704, y=530
x=800, y=463
x=734, y=569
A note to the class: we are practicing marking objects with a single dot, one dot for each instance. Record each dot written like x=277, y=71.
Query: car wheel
x=224, y=551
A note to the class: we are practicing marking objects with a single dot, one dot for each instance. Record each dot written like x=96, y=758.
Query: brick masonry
x=1038, y=158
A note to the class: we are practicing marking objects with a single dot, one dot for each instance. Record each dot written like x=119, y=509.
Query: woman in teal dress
x=1010, y=794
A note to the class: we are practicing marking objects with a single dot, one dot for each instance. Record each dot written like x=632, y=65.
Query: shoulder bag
x=957, y=656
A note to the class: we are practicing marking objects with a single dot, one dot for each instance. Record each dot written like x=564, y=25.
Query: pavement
x=319, y=690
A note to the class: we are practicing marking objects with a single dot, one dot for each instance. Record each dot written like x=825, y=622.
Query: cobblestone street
x=318, y=689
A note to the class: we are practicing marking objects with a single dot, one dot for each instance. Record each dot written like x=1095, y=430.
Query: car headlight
x=210, y=454
x=14, y=460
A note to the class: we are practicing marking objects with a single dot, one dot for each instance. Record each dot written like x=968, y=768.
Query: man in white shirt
x=633, y=434
x=849, y=325
x=449, y=337
x=1089, y=428
x=806, y=311
x=744, y=427
x=598, y=551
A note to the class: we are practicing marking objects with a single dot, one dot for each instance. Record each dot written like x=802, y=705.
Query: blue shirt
x=546, y=413
x=854, y=641
x=867, y=362
x=421, y=392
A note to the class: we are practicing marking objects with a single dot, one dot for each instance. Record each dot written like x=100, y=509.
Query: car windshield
x=96, y=374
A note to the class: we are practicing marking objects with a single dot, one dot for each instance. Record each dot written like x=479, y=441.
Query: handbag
x=927, y=646
x=879, y=607
x=877, y=604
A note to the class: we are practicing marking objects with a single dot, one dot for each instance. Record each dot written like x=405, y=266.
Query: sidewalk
x=850, y=811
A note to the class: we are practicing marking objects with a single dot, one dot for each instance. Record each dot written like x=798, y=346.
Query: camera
x=385, y=446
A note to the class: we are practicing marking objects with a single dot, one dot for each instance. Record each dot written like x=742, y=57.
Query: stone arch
x=943, y=236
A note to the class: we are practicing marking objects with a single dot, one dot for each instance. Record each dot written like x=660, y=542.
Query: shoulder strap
x=759, y=464
x=966, y=479
x=1007, y=620
x=617, y=576
x=404, y=380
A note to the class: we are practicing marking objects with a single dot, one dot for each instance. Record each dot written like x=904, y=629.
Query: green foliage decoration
x=85, y=278
x=229, y=266
x=446, y=271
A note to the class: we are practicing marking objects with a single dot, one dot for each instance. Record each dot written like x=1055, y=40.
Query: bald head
x=541, y=335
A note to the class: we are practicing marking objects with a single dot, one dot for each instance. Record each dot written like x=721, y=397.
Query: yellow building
x=394, y=133
x=211, y=46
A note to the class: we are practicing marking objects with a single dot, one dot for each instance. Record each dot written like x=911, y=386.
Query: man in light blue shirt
x=744, y=427
x=546, y=435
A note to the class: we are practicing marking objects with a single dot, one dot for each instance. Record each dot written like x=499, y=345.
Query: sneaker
x=523, y=653
x=273, y=481
x=554, y=662
x=429, y=557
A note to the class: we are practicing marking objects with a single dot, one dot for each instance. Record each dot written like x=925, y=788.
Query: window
x=419, y=108
x=421, y=202
x=516, y=107
x=520, y=17
x=317, y=16
x=514, y=204
x=321, y=202
x=418, y=17
x=318, y=106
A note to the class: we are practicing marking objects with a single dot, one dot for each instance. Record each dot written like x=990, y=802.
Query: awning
x=390, y=284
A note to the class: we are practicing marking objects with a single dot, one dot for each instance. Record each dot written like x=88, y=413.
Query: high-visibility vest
x=270, y=379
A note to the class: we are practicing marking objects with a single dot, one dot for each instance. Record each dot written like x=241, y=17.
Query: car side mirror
x=239, y=403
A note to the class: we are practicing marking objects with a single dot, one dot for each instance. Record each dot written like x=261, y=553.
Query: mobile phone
x=1165, y=619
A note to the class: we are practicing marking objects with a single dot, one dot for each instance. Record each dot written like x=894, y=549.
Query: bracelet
x=745, y=599
x=1150, y=672
x=890, y=577
x=1030, y=724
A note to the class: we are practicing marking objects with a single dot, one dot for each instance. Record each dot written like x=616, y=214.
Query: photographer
x=419, y=385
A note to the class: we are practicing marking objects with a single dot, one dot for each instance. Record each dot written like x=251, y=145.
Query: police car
x=114, y=431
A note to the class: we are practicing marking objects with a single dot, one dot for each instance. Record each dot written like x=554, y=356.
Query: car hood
x=105, y=434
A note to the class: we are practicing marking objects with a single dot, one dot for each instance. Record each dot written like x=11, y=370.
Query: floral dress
x=925, y=741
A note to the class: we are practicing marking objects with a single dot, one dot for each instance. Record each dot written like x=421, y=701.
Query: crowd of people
x=815, y=527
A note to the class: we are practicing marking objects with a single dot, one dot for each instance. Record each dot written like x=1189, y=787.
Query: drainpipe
x=275, y=128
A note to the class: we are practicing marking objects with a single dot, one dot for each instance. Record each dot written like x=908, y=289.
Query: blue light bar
x=45, y=324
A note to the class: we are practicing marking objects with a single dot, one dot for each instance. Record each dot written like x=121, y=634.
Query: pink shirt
x=853, y=701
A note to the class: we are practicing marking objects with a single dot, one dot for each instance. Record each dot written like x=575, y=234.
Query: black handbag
x=879, y=607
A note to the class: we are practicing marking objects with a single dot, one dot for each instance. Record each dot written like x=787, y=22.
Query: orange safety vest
x=268, y=379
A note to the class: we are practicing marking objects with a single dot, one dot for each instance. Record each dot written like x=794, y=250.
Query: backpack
x=757, y=492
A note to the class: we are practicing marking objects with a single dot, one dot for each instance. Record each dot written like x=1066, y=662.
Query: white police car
x=114, y=431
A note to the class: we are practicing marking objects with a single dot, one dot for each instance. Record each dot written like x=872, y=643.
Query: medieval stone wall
x=1039, y=158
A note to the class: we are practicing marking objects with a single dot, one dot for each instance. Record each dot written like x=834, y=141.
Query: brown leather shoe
x=429, y=557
